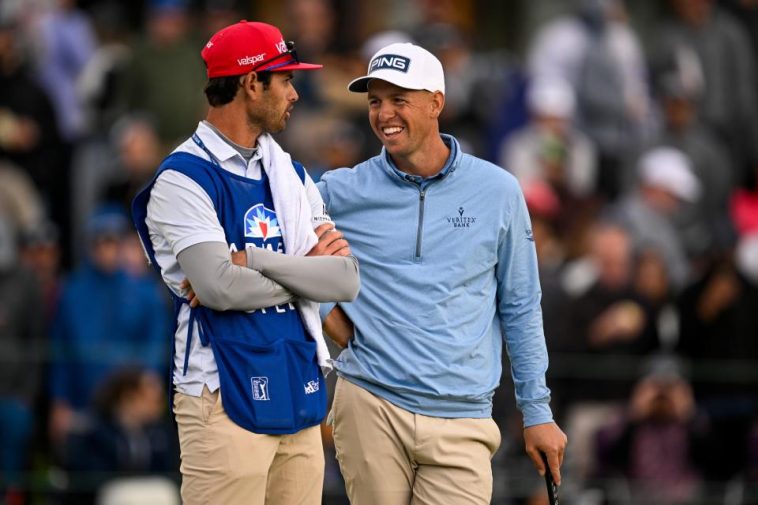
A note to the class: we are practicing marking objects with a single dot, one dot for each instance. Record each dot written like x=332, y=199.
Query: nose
x=386, y=111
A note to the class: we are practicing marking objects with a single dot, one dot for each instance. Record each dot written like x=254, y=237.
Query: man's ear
x=250, y=84
x=436, y=104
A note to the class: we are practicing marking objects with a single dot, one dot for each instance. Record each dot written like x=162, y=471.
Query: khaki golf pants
x=223, y=463
x=390, y=456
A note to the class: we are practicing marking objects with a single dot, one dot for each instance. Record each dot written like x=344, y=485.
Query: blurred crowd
x=631, y=126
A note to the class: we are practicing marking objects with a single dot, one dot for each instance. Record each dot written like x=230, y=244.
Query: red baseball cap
x=248, y=45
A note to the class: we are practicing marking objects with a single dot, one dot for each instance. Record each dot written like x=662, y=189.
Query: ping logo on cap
x=390, y=61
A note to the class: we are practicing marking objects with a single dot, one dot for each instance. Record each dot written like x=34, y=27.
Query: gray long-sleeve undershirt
x=317, y=278
x=221, y=285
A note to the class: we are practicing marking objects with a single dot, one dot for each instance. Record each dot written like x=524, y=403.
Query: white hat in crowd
x=379, y=40
x=669, y=169
x=551, y=96
x=403, y=64
x=746, y=256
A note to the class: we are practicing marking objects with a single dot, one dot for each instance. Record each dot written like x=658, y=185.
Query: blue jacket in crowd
x=105, y=321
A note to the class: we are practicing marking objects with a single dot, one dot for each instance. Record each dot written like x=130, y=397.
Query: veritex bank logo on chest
x=461, y=220
x=391, y=62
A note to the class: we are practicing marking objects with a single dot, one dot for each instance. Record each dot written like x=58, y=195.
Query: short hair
x=222, y=90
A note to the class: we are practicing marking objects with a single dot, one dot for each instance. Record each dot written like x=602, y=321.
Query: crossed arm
x=258, y=278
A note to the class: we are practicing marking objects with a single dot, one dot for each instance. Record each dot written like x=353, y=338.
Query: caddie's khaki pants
x=389, y=456
x=223, y=464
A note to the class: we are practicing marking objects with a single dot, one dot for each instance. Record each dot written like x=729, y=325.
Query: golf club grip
x=552, y=489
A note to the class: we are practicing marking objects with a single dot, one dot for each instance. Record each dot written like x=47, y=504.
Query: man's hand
x=548, y=439
x=239, y=258
x=192, y=298
x=330, y=242
x=60, y=423
x=338, y=327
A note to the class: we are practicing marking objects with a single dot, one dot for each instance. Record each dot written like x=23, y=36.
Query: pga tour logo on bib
x=261, y=223
x=260, y=388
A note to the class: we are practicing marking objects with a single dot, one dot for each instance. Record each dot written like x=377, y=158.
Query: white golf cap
x=403, y=64
x=551, y=96
x=669, y=169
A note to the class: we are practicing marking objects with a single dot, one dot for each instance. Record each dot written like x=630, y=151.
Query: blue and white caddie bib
x=267, y=364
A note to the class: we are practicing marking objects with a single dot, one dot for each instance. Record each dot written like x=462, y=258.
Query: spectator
x=666, y=184
x=21, y=347
x=612, y=329
x=657, y=443
x=218, y=14
x=138, y=153
x=28, y=131
x=550, y=148
x=20, y=201
x=717, y=313
x=718, y=332
x=98, y=83
x=477, y=84
x=113, y=168
x=600, y=55
x=727, y=63
x=64, y=42
x=318, y=27
x=105, y=319
x=127, y=435
x=165, y=75
x=544, y=209
x=704, y=222
x=41, y=254
x=323, y=31
x=652, y=284
x=338, y=143
x=610, y=318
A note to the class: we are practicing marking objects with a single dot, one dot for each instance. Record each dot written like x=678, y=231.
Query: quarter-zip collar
x=450, y=166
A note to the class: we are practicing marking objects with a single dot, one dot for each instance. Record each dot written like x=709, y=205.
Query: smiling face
x=273, y=111
x=404, y=120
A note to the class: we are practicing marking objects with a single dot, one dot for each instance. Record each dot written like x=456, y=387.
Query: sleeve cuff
x=325, y=309
x=250, y=256
x=536, y=413
x=259, y=259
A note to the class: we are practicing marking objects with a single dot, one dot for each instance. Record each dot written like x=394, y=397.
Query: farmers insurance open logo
x=261, y=223
x=461, y=220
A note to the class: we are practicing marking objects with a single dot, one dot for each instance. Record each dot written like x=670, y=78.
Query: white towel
x=293, y=212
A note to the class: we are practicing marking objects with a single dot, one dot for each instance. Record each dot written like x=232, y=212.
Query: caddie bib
x=268, y=370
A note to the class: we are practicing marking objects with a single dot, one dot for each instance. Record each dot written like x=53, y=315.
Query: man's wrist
x=536, y=413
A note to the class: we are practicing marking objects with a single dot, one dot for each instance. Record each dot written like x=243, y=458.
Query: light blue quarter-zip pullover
x=448, y=271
